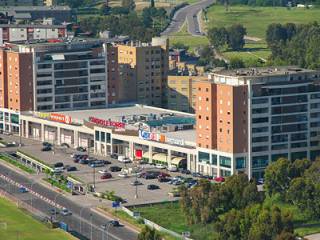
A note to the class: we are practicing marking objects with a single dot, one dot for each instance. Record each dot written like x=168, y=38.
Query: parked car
x=106, y=176
x=114, y=156
x=163, y=179
x=106, y=162
x=124, y=159
x=219, y=179
x=46, y=144
x=46, y=149
x=95, y=164
x=152, y=187
x=195, y=174
x=81, y=149
x=260, y=181
x=163, y=174
x=136, y=183
x=103, y=171
x=65, y=145
x=184, y=171
x=83, y=161
x=58, y=167
x=172, y=168
x=123, y=174
x=65, y=212
x=160, y=166
x=115, y=223
x=115, y=169
x=71, y=169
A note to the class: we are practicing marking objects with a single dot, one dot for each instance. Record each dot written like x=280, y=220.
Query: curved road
x=188, y=13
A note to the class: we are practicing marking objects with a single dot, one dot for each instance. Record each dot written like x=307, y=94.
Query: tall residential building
x=143, y=69
x=59, y=76
x=181, y=92
x=248, y=118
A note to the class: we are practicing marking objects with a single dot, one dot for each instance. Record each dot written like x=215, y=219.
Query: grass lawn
x=184, y=37
x=257, y=19
x=17, y=164
x=252, y=52
x=169, y=215
x=22, y=226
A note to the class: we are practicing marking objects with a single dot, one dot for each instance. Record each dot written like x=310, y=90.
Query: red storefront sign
x=60, y=118
x=138, y=153
x=106, y=123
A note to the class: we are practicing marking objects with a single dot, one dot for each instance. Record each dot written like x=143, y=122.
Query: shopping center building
x=137, y=132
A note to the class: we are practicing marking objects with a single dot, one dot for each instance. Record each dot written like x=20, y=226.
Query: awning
x=177, y=160
x=161, y=157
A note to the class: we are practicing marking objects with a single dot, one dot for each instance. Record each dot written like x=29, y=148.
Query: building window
x=240, y=163
x=103, y=136
x=204, y=157
x=214, y=159
x=207, y=118
x=199, y=116
x=225, y=161
x=260, y=161
x=298, y=155
x=97, y=136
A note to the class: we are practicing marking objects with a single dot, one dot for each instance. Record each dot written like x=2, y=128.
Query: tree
x=206, y=56
x=129, y=4
x=228, y=227
x=218, y=37
x=277, y=177
x=285, y=236
x=236, y=35
x=152, y=5
x=236, y=63
x=148, y=233
x=180, y=45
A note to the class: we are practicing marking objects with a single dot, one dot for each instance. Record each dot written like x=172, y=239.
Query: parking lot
x=121, y=186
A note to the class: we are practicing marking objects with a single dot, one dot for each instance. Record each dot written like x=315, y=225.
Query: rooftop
x=31, y=26
x=117, y=114
x=263, y=71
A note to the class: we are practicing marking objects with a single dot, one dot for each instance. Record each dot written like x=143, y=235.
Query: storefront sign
x=107, y=123
x=160, y=138
x=138, y=153
x=60, y=118
x=57, y=117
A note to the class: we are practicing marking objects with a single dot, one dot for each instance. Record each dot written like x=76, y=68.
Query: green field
x=22, y=226
x=184, y=37
x=257, y=19
x=169, y=215
x=251, y=52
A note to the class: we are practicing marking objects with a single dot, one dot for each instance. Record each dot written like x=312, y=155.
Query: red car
x=219, y=179
x=163, y=175
x=106, y=176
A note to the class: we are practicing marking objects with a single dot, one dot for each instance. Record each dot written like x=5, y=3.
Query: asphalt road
x=81, y=217
x=188, y=13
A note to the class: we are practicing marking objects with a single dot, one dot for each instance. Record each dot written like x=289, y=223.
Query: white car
x=160, y=166
x=65, y=212
x=172, y=168
x=103, y=171
x=124, y=159
x=123, y=175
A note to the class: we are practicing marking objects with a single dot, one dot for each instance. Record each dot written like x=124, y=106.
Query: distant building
x=31, y=13
x=24, y=32
x=54, y=76
x=182, y=92
x=143, y=71
x=21, y=2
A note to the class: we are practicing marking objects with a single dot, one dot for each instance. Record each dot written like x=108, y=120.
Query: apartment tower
x=248, y=118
